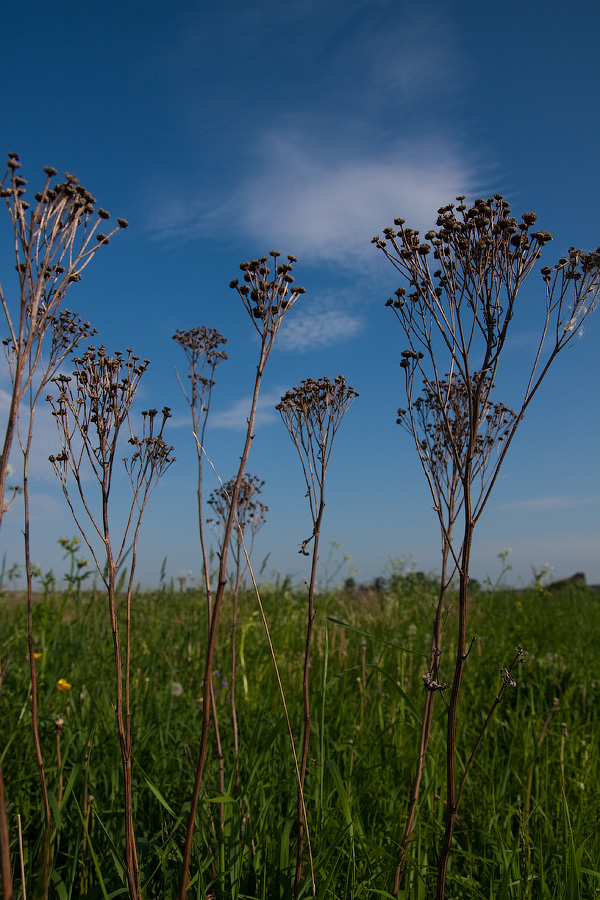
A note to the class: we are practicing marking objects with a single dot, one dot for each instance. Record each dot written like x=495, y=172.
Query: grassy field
x=528, y=819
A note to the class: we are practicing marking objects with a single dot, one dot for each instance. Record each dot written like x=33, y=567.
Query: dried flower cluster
x=97, y=401
x=200, y=346
x=266, y=294
x=439, y=421
x=312, y=414
x=483, y=255
x=56, y=238
x=250, y=514
x=152, y=455
x=68, y=332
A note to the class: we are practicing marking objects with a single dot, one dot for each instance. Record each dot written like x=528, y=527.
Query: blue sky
x=221, y=131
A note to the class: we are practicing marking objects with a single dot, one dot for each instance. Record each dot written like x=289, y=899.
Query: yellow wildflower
x=63, y=685
x=36, y=655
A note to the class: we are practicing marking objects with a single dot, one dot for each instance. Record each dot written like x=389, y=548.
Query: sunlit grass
x=528, y=818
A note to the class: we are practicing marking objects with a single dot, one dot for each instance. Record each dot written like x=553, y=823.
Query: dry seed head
x=267, y=295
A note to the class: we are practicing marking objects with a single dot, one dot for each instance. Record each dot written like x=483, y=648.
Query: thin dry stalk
x=4, y=832
x=266, y=296
x=58, y=727
x=21, y=858
x=67, y=332
x=250, y=517
x=507, y=679
x=200, y=346
x=312, y=414
x=91, y=410
x=460, y=314
x=88, y=800
x=285, y=711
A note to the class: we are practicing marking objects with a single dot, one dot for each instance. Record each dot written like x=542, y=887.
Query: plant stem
x=402, y=856
x=212, y=637
x=7, y=890
x=461, y=656
x=45, y=863
x=301, y=811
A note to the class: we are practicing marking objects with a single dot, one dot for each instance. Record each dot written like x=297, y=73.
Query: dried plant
x=54, y=240
x=92, y=409
x=441, y=437
x=250, y=516
x=67, y=331
x=456, y=320
x=267, y=294
x=7, y=890
x=200, y=346
x=312, y=414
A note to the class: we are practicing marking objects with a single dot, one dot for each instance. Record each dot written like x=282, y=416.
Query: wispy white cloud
x=313, y=329
x=304, y=199
x=541, y=504
x=335, y=169
x=236, y=416
x=327, y=205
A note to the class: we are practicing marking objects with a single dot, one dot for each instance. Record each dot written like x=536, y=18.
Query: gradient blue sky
x=224, y=130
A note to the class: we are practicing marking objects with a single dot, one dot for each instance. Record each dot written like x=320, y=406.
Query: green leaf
x=375, y=638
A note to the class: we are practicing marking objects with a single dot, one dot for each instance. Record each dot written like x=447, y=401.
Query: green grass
x=528, y=818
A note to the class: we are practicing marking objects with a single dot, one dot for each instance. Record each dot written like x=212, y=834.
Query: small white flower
x=176, y=689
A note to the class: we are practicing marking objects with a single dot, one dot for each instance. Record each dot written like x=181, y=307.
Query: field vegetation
x=528, y=819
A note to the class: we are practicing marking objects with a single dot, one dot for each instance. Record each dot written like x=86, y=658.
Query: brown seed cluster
x=90, y=410
x=200, y=346
x=474, y=244
x=68, y=196
x=68, y=331
x=480, y=250
x=483, y=255
x=98, y=396
x=442, y=419
x=152, y=455
x=483, y=232
x=55, y=237
x=250, y=512
x=312, y=414
x=267, y=293
x=317, y=403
